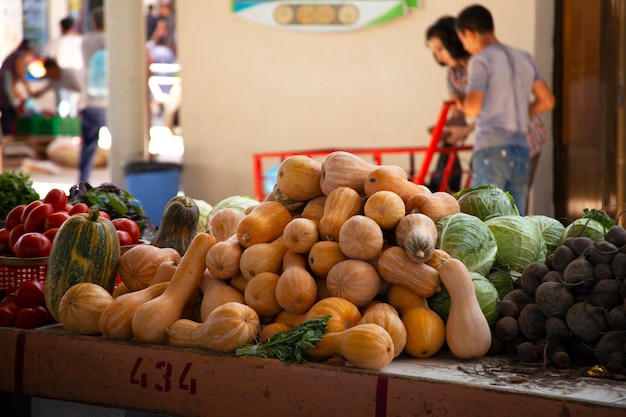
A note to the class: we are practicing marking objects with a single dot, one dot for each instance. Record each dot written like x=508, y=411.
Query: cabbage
x=486, y=294
x=204, y=209
x=503, y=281
x=486, y=201
x=519, y=242
x=550, y=228
x=585, y=227
x=467, y=238
x=240, y=202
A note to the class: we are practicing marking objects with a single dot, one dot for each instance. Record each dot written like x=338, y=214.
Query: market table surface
x=50, y=363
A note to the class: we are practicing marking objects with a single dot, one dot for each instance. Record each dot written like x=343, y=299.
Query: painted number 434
x=164, y=377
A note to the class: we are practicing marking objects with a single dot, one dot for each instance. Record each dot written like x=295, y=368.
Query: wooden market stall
x=50, y=363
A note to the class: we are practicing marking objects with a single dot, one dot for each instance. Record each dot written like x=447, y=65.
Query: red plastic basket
x=14, y=271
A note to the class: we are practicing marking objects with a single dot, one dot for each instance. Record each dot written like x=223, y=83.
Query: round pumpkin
x=355, y=280
x=81, y=307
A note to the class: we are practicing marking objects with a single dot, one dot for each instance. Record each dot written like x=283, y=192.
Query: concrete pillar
x=127, y=116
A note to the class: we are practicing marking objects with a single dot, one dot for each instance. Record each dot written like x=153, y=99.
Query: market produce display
x=346, y=261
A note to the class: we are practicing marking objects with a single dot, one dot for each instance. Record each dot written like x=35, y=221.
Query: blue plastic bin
x=153, y=184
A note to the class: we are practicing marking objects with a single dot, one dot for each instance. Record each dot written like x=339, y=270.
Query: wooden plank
x=194, y=382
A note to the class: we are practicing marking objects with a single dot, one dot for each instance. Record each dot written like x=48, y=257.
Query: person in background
x=13, y=87
x=94, y=97
x=67, y=78
x=448, y=51
x=504, y=89
x=66, y=50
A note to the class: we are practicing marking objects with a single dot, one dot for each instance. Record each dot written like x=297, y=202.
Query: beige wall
x=248, y=88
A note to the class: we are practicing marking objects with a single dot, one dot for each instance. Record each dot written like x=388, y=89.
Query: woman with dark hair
x=443, y=40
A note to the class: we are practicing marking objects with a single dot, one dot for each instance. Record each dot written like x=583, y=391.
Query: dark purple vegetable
x=616, y=235
x=601, y=251
x=617, y=317
x=554, y=299
x=508, y=308
x=609, y=343
x=532, y=276
x=532, y=322
x=557, y=331
x=506, y=328
x=561, y=257
x=618, y=266
x=529, y=352
x=606, y=294
x=587, y=322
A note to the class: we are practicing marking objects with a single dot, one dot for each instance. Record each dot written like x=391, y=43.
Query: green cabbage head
x=519, y=242
x=486, y=201
x=467, y=238
x=550, y=228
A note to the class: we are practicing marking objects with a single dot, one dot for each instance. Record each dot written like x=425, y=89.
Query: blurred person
x=448, y=51
x=94, y=97
x=12, y=78
x=504, y=89
x=66, y=50
x=66, y=78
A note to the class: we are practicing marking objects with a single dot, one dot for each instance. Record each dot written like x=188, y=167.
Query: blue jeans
x=92, y=119
x=507, y=168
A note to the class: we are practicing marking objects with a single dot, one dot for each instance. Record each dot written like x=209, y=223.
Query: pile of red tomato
x=26, y=308
x=29, y=229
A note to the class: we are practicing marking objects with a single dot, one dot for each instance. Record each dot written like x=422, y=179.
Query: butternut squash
x=262, y=257
x=366, y=346
x=386, y=208
x=467, y=331
x=153, y=317
x=81, y=307
x=223, y=223
x=216, y=292
x=438, y=258
x=139, y=264
x=425, y=329
x=300, y=234
x=436, y=205
x=165, y=271
x=344, y=169
x=417, y=234
x=222, y=260
x=299, y=177
x=341, y=204
x=355, y=280
x=296, y=290
x=343, y=314
x=323, y=255
x=391, y=178
x=361, y=238
x=395, y=267
x=263, y=224
x=116, y=319
x=314, y=208
x=386, y=316
x=227, y=328
x=260, y=294
x=239, y=282
x=271, y=329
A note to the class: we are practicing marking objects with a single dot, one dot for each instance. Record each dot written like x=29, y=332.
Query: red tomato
x=4, y=241
x=26, y=318
x=69, y=207
x=14, y=217
x=14, y=235
x=44, y=315
x=57, y=198
x=79, y=208
x=32, y=245
x=56, y=219
x=124, y=238
x=129, y=226
x=30, y=293
x=105, y=214
x=6, y=317
x=51, y=233
x=37, y=217
x=29, y=207
x=10, y=302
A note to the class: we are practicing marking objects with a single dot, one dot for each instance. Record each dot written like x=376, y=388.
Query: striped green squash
x=85, y=249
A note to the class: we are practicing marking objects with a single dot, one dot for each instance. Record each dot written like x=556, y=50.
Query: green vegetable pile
x=289, y=346
x=109, y=197
x=15, y=188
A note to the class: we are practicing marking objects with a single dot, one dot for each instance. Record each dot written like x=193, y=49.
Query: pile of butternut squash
x=340, y=237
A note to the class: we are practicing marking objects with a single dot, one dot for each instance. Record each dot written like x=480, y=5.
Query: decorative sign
x=322, y=15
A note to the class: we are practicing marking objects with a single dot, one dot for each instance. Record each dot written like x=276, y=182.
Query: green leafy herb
x=600, y=217
x=289, y=346
x=15, y=188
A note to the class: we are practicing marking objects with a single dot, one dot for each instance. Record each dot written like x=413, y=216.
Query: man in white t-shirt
x=66, y=51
